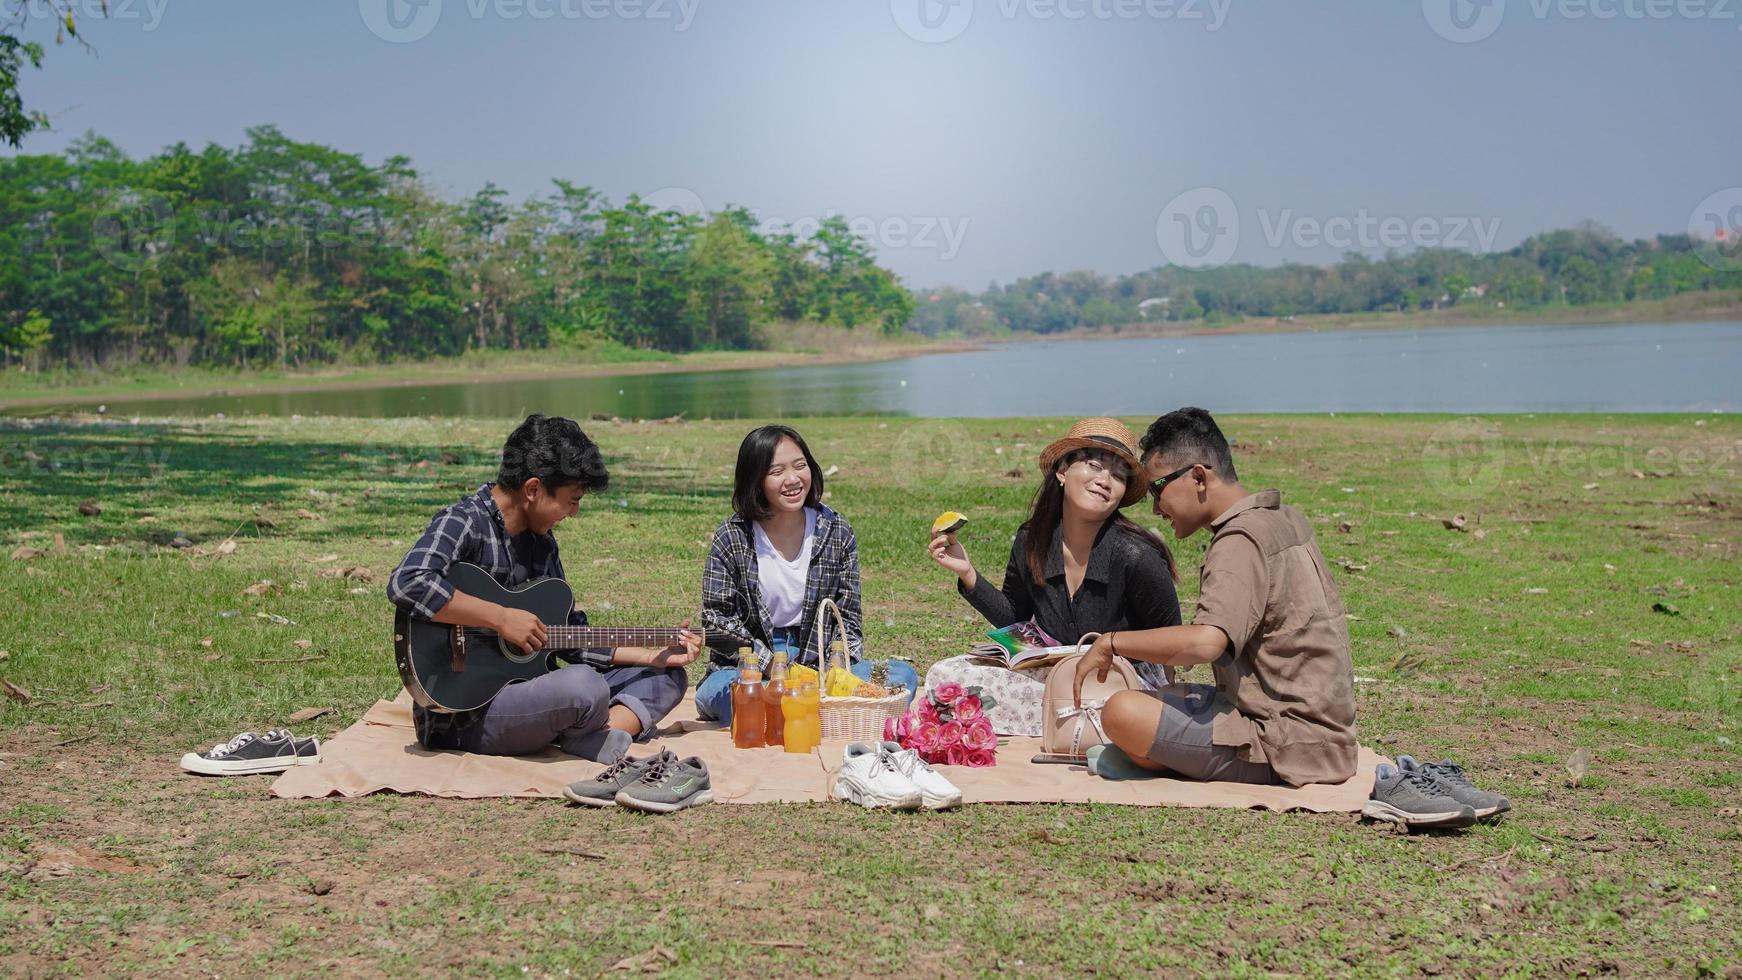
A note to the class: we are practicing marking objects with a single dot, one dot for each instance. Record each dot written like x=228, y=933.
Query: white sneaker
x=869, y=778
x=936, y=792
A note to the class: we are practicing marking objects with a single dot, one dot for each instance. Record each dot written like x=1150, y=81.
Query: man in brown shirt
x=1269, y=621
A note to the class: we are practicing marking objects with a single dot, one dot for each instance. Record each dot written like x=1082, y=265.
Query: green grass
x=1458, y=655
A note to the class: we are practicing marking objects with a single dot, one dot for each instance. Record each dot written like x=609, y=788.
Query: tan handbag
x=1068, y=729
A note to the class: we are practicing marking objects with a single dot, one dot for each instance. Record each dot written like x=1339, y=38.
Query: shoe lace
x=617, y=769
x=1450, y=773
x=658, y=771
x=225, y=748
x=1420, y=781
x=908, y=762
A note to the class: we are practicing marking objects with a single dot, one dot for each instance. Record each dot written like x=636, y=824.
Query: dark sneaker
x=1448, y=776
x=669, y=785
x=248, y=753
x=601, y=790
x=1414, y=800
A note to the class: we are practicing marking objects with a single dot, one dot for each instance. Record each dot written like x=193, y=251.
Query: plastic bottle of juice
x=774, y=720
x=796, y=727
x=747, y=706
x=810, y=697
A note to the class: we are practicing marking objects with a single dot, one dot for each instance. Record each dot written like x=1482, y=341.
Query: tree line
x=279, y=252
x=1567, y=268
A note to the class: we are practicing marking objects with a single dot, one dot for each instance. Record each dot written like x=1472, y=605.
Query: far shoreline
x=514, y=366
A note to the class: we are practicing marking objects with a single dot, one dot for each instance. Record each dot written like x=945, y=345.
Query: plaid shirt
x=732, y=608
x=471, y=530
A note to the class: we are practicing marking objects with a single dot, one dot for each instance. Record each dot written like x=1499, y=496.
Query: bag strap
x=1090, y=713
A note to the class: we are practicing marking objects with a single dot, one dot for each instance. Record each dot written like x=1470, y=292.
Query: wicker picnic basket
x=851, y=719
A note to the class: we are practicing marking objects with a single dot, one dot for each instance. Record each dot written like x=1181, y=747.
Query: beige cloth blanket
x=380, y=752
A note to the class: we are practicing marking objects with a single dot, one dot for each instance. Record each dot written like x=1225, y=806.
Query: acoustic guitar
x=458, y=668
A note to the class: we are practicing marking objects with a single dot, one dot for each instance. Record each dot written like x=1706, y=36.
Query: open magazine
x=1022, y=646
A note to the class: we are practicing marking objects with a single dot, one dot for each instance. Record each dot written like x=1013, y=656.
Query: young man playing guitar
x=610, y=698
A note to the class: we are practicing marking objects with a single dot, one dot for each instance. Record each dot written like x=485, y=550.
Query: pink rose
x=926, y=736
x=947, y=694
x=979, y=736
x=955, y=755
x=968, y=709
x=982, y=759
x=927, y=712
x=897, y=729
x=950, y=734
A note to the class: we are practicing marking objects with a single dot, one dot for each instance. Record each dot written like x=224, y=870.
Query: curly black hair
x=1190, y=435
x=554, y=450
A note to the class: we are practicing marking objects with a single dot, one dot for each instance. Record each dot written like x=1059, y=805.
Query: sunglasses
x=1157, y=485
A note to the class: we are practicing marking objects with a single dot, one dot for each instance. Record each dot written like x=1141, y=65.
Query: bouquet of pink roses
x=948, y=726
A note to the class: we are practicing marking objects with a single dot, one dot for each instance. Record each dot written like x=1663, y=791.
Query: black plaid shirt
x=471, y=530
x=732, y=608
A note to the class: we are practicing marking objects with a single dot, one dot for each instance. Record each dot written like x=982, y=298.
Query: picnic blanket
x=380, y=753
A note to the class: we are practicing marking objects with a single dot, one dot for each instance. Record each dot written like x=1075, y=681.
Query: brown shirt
x=1285, y=688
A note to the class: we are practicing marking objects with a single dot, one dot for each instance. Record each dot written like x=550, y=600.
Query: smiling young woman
x=1077, y=565
x=772, y=563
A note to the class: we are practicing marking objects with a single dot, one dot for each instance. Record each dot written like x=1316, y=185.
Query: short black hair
x=555, y=450
x=1190, y=435
x=755, y=456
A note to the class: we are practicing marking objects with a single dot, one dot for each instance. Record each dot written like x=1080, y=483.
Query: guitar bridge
x=457, y=649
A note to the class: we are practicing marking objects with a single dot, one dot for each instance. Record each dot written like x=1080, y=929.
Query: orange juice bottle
x=796, y=728
x=747, y=705
x=774, y=720
x=809, y=698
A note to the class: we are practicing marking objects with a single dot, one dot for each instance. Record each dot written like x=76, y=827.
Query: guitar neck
x=578, y=637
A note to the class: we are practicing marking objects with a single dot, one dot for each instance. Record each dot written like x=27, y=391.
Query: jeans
x=574, y=701
x=714, y=693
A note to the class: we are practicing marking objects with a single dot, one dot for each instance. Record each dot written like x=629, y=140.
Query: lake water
x=1622, y=368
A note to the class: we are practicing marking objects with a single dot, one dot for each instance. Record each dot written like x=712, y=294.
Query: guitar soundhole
x=514, y=654
x=508, y=650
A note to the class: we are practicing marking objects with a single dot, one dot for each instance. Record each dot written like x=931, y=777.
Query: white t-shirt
x=782, y=581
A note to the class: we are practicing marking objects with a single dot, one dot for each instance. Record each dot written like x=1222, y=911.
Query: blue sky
x=974, y=139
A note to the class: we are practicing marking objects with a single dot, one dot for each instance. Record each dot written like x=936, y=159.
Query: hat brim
x=1134, y=488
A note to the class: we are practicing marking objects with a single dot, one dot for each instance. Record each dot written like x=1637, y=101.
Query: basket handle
x=826, y=606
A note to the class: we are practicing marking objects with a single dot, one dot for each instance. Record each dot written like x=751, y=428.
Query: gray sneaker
x=601, y=790
x=1448, y=777
x=669, y=785
x=1414, y=800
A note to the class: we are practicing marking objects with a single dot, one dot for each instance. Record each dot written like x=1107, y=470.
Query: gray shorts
x=1183, y=741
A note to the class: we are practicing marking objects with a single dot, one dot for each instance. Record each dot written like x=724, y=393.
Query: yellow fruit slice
x=948, y=522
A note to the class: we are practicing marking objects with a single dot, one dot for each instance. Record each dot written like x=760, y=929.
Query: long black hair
x=755, y=456
x=1048, y=510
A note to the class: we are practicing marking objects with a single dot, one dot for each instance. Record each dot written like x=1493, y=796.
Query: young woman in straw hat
x=1077, y=565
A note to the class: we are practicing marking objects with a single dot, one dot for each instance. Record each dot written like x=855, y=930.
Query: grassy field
x=1591, y=602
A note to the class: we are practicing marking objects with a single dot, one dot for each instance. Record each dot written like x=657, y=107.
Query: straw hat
x=1107, y=435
